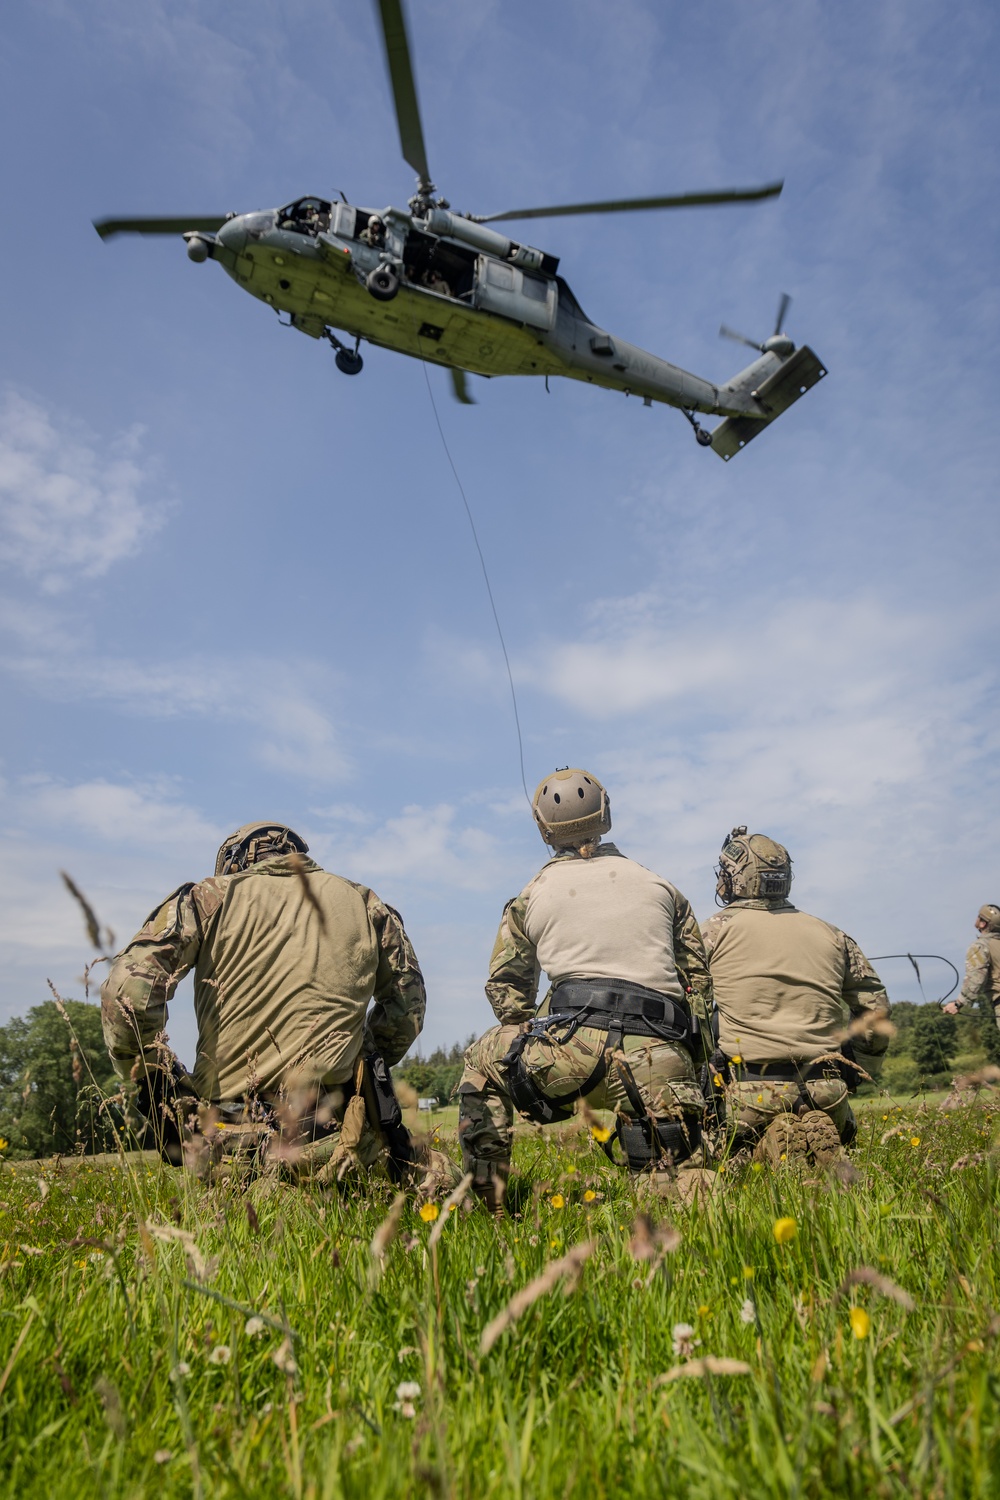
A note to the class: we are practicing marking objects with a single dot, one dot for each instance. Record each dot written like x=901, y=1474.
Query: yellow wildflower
x=785, y=1230
x=589, y=1196
x=570, y=1170
x=600, y=1133
x=717, y=1080
x=429, y=1212
x=736, y=1059
x=860, y=1323
x=914, y=1140
x=703, y=1311
x=748, y=1273
x=3, y=1144
x=557, y=1200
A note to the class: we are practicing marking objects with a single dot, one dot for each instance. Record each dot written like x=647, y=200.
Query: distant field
x=160, y=1336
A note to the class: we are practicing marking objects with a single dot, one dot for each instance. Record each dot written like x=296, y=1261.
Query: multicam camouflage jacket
x=287, y=958
x=982, y=971
x=512, y=987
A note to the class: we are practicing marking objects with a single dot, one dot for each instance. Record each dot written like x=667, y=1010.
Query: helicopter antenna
x=404, y=94
x=486, y=578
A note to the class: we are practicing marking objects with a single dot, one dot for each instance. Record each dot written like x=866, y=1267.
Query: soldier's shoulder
x=165, y=917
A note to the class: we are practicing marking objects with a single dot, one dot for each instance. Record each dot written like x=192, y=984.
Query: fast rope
x=486, y=577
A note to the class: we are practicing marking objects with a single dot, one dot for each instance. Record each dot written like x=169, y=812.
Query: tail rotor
x=779, y=343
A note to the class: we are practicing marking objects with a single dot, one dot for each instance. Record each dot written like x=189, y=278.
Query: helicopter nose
x=233, y=233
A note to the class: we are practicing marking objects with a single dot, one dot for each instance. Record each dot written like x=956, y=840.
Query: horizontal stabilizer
x=777, y=393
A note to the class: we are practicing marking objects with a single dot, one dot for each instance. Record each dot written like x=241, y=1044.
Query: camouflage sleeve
x=145, y=974
x=691, y=961
x=397, y=1017
x=865, y=997
x=977, y=973
x=512, y=988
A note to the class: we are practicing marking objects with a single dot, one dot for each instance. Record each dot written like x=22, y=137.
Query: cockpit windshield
x=305, y=216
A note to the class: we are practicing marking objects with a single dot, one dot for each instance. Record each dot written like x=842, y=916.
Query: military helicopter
x=445, y=288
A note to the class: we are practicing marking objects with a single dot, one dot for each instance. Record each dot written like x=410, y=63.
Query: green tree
x=54, y=1077
x=436, y=1076
x=933, y=1040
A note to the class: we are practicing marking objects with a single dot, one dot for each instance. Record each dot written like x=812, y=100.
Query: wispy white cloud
x=71, y=506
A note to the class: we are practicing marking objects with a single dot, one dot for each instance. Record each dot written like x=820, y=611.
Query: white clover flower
x=180, y=1370
x=408, y=1390
x=684, y=1341
x=254, y=1326
x=748, y=1312
x=220, y=1355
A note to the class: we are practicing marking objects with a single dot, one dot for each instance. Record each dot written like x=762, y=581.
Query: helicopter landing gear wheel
x=348, y=362
x=383, y=283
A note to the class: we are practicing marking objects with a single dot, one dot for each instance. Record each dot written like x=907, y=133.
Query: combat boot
x=823, y=1138
x=784, y=1143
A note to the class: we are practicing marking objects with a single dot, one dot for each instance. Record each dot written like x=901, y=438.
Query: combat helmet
x=254, y=842
x=990, y=914
x=753, y=867
x=571, y=807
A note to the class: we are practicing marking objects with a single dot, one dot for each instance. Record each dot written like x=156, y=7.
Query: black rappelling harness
x=619, y=1008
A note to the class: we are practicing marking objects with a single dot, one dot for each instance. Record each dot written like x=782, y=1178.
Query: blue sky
x=238, y=584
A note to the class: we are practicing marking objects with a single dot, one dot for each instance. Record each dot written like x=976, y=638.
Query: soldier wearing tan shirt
x=787, y=985
x=287, y=959
x=624, y=957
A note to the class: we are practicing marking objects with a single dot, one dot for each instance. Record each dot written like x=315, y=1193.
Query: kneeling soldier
x=785, y=985
x=624, y=956
x=287, y=958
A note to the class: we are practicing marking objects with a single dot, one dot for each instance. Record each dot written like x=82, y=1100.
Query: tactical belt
x=619, y=1005
x=785, y=1071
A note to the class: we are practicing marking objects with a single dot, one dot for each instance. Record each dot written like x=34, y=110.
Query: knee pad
x=674, y=1140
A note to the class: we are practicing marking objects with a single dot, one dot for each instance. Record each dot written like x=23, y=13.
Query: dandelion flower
x=748, y=1312
x=600, y=1133
x=220, y=1355
x=589, y=1196
x=914, y=1141
x=785, y=1230
x=684, y=1341
x=557, y=1200
x=254, y=1327
x=429, y=1212
x=860, y=1323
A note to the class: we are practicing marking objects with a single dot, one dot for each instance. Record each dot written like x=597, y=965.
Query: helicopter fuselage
x=456, y=304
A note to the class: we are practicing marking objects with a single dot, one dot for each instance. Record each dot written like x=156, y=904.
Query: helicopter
x=445, y=288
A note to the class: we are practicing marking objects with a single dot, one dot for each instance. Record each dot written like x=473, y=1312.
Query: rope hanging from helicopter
x=486, y=576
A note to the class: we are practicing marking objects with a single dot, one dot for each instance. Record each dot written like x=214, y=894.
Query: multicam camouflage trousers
x=664, y=1075
x=753, y=1103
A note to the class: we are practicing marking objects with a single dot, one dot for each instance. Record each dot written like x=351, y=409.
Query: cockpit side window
x=305, y=216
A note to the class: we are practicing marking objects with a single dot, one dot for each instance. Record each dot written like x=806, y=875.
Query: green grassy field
x=158, y=1335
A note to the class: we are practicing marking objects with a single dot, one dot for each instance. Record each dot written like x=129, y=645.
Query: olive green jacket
x=982, y=971
x=287, y=958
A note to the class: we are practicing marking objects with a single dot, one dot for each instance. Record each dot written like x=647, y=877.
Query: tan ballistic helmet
x=571, y=807
x=754, y=867
x=990, y=914
x=254, y=842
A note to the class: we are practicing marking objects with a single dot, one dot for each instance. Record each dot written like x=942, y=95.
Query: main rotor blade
x=783, y=307
x=107, y=227
x=629, y=205
x=738, y=338
x=404, y=88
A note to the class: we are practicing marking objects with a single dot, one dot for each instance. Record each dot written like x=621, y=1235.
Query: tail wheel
x=383, y=283
x=348, y=362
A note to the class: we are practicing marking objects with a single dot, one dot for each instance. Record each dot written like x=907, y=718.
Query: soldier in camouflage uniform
x=287, y=958
x=982, y=965
x=626, y=965
x=786, y=985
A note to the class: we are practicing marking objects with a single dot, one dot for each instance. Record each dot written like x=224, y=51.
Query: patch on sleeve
x=166, y=918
